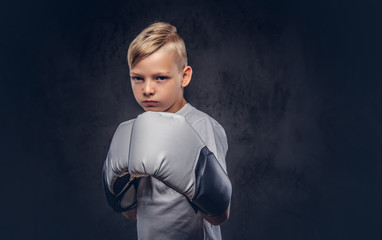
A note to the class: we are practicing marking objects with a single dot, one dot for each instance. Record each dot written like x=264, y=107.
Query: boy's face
x=158, y=83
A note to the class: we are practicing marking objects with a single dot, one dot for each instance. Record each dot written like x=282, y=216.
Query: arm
x=131, y=214
x=217, y=220
x=214, y=136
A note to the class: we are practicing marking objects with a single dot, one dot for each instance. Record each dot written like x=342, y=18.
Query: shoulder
x=208, y=129
x=213, y=134
x=198, y=118
x=203, y=120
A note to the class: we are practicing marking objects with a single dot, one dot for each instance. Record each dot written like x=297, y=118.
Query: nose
x=148, y=88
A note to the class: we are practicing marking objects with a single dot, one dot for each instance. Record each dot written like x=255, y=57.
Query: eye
x=136, y=78
x=162, y=78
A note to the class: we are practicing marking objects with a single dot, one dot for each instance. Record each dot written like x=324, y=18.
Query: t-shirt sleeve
x=214, y=136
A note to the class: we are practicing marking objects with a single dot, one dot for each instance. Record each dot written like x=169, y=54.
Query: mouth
x=150, y=103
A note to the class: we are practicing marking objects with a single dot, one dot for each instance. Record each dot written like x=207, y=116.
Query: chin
x=152, y=109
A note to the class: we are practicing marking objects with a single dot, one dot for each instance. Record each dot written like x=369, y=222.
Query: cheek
x=174, y=90
x=177, y=84
x=135, y=91
x=134, y=87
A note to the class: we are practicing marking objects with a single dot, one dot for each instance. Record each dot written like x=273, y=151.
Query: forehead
x=162, y=60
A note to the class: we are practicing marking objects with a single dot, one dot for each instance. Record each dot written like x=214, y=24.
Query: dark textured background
x=296, y=84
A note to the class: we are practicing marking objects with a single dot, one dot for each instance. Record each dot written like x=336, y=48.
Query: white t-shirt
x=163, y=213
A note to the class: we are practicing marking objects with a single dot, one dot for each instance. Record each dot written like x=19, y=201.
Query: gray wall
x=295, y=84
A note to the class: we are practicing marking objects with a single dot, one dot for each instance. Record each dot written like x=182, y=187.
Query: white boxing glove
x=165, y=146
x=120, y=186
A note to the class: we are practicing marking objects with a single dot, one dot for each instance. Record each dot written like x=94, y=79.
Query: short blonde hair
x=152, y=38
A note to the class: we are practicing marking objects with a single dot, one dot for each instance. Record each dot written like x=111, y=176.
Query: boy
x=166, y=169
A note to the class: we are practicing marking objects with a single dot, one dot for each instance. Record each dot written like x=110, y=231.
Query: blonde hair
x=152, y=38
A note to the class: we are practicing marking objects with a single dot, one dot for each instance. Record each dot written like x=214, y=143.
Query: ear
x=187, y=74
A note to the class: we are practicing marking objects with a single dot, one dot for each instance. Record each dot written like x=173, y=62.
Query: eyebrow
x=155, y=74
